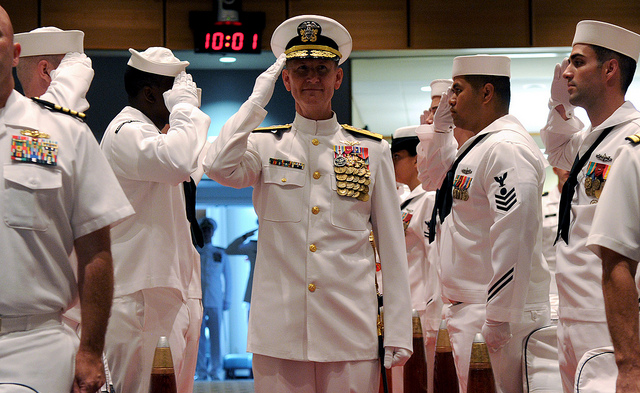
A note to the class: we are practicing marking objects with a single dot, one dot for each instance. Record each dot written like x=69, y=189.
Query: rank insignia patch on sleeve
x=505, y=198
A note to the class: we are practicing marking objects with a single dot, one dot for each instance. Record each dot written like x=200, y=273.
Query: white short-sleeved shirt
x=616, y=224
x=45, y=207
x=578, y=269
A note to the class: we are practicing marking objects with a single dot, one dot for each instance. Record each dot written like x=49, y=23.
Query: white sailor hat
x=157, y=60
x=482, y=65
x=404, y=136
x=49, y=41
x=608, y=36
x=439, y=86
x=311, y=37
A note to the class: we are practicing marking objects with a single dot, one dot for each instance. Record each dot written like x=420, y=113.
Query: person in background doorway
x=216, y=298
x=243, y=245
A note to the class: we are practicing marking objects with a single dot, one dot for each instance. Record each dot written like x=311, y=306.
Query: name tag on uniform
x=35, y=150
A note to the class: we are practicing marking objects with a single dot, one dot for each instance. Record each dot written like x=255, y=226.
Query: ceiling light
x=532, y=55
x=425, y=88
x=227, y=59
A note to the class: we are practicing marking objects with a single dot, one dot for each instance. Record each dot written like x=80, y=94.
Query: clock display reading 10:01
x=230, y=39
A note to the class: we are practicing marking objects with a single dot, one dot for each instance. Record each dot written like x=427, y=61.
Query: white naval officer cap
x=311, y=37
x=482, y=65
x=439, y=86
x=157, y=60
x=608, y=36
x=404, y=136
x=49, y=41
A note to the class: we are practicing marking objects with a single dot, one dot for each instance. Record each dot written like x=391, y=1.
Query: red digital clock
x=228, y=38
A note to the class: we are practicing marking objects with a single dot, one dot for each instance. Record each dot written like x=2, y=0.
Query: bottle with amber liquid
x=481, y=378
x=163, y=377
x=445, y=378
x=415, y=370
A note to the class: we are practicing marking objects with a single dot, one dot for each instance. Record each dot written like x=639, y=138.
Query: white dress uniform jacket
x=578, y=270
x=499, y=184
x=314, y=297
x=46, y=207
x=154, y=248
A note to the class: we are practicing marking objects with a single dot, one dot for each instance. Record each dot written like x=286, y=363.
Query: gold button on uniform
x=315, y=142
x=315, y=210
x=312, y=287
x=284, y=180
x=316, y=175
x=313, y=248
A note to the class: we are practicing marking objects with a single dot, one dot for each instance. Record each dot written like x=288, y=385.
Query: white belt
x=10, y=324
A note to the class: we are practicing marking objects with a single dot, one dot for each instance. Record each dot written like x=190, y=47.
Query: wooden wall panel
x=179, y=34
x=555, y=25
x=23, y=14
x=276, y=13
x=373, y=24
x=109, y=24
x=437, y=24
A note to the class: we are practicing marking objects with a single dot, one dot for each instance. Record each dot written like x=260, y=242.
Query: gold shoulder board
x=361, y=132
x=57, y=108
x=274, y=129
x=635, y=138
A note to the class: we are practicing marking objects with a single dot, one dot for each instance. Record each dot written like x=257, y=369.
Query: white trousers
x=137, y=322
x=185, y=334
x=465, y=320
x=575, y=338
x=274, y=375
x=43, y=359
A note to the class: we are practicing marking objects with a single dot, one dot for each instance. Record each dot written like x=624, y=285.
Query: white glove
x=184, y=90
x=496, y=334
x=266, y=82
x=71, y=58
x=395, y=356
x=559, y=92
x=442, y=119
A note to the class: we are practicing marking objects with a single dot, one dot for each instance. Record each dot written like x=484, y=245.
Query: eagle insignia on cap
x=309, y=31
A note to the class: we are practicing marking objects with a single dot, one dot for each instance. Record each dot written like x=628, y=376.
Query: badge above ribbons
x=351, y=165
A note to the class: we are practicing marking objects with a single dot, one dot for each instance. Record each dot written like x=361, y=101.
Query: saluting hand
x=184, y=90
x=442, y=119
x=266, y=82
x=559, y=91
